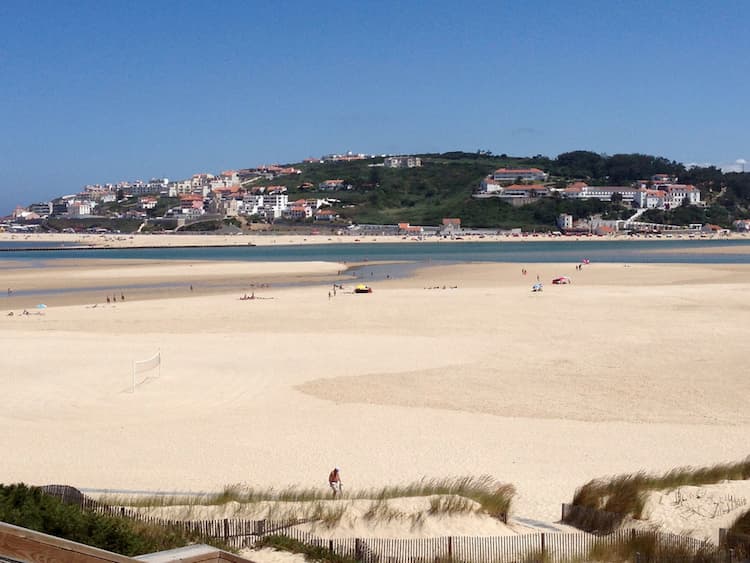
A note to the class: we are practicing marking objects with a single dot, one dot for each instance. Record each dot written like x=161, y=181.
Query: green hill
x=443, y=186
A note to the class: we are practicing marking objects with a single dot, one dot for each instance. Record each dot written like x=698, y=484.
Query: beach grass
x=651, y=547
x=626, y=494
x=742, y=524
x=448, y=496
x=311, y=553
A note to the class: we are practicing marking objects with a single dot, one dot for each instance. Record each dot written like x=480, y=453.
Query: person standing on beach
x=334, y=481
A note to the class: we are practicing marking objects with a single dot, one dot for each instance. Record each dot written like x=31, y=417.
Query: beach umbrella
x=41, y=306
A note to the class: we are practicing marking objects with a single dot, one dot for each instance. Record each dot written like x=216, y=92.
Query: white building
x=274, y=205
x=565, y=221
x=79, y=208
x=489, y=185
x=679, y=193
x=581, y=190
x=297, y=212
x=252, y=204
x=402, y=162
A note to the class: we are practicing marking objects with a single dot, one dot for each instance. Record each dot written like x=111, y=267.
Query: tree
x=617, y=197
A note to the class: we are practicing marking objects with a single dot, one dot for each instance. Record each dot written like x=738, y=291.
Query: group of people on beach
x=332, y=293
x=114, y=298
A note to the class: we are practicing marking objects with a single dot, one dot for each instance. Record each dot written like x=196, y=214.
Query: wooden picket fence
x=547, y=547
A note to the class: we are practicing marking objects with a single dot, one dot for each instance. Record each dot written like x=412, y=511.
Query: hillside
x=443, y=186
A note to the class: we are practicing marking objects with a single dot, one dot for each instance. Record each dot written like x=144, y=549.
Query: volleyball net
x=143, y=370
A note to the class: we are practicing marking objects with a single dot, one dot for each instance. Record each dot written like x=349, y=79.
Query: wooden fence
x=547, y=547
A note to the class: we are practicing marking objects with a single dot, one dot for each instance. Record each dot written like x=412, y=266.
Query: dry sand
x=698, y=511
x=628, y=368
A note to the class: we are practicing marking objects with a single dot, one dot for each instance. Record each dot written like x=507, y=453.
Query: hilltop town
x=575, y=193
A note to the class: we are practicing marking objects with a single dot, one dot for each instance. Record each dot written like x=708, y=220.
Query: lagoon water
x=658, y=251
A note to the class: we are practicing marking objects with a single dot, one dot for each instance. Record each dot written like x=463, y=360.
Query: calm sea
x=666, y=251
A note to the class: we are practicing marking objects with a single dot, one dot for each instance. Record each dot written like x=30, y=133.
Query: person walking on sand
x=334, y=481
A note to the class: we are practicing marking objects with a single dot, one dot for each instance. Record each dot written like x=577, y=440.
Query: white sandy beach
x=628, y=368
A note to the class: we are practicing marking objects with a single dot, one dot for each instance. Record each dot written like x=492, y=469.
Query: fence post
x=450, y=548
x=226, y=530
x=122, y=511
x=543, y=547
x=261, y=528
x=358, y=549
x=330, y=546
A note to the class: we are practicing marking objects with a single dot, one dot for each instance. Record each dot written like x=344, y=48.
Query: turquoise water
x=666, y=251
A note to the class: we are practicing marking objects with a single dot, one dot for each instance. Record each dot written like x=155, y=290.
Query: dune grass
x=625, y=494
x=742, y=524
x=450, y=496
x=311, y=553
x=652, y=547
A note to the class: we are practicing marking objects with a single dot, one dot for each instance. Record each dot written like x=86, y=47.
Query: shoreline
x=90, y=282
x=152, y=241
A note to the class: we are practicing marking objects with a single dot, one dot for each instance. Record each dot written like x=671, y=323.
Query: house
x=407, y=229
x=565, y=221
x=191, y=204
x=679, y=194
x=742, y=225
x=654, y=199
x=148, y=202
x=230, y=207
x=332, y=185
x=402, y=162
x=490, y=185
x=185, y=187
x=450, y=226
x=524, y=174
x=297, y=212
x=326, y=215
x=232, y=177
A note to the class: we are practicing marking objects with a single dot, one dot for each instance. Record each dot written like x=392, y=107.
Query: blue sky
x=101, y=91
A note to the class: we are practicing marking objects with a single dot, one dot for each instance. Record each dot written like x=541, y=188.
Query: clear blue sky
x=101, y=91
